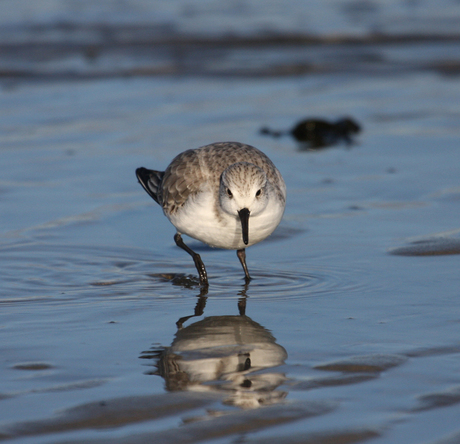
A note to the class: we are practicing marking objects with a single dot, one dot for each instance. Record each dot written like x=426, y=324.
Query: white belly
x=198, y=219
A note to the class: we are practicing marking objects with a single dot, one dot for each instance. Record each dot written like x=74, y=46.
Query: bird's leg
x=242, y=257
x=196, y=258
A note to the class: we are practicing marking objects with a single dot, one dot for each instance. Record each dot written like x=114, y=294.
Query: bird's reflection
x=229, y=354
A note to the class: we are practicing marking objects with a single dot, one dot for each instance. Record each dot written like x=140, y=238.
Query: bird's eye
x=229, y=193
x=259, y=192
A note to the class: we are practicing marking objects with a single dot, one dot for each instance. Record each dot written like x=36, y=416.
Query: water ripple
x=268, y=283
x=40, y=271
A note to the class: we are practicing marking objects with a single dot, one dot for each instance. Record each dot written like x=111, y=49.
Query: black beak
x=244, y=217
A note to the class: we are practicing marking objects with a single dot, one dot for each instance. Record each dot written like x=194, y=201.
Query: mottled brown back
x=189, y=170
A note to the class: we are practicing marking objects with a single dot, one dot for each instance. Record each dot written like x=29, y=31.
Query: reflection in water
x=224, y=354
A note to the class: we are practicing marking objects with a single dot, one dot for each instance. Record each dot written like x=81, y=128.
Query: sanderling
x=227, y=195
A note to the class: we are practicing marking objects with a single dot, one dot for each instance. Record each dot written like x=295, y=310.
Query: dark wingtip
x=141, y=174
x=150, y=181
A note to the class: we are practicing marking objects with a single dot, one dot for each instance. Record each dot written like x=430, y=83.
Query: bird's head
x=243, y=193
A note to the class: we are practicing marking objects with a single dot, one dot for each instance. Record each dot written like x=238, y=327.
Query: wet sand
x=349, y=330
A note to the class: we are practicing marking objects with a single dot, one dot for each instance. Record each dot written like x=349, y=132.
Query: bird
x=226, y=194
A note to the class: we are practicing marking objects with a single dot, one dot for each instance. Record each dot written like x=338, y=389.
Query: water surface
x=349, y=331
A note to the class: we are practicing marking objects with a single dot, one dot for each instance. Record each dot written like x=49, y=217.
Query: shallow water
x=350, y=329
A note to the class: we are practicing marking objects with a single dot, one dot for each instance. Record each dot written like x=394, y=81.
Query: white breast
x=198, y=219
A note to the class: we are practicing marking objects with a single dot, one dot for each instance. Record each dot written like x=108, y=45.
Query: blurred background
x=78, y=39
